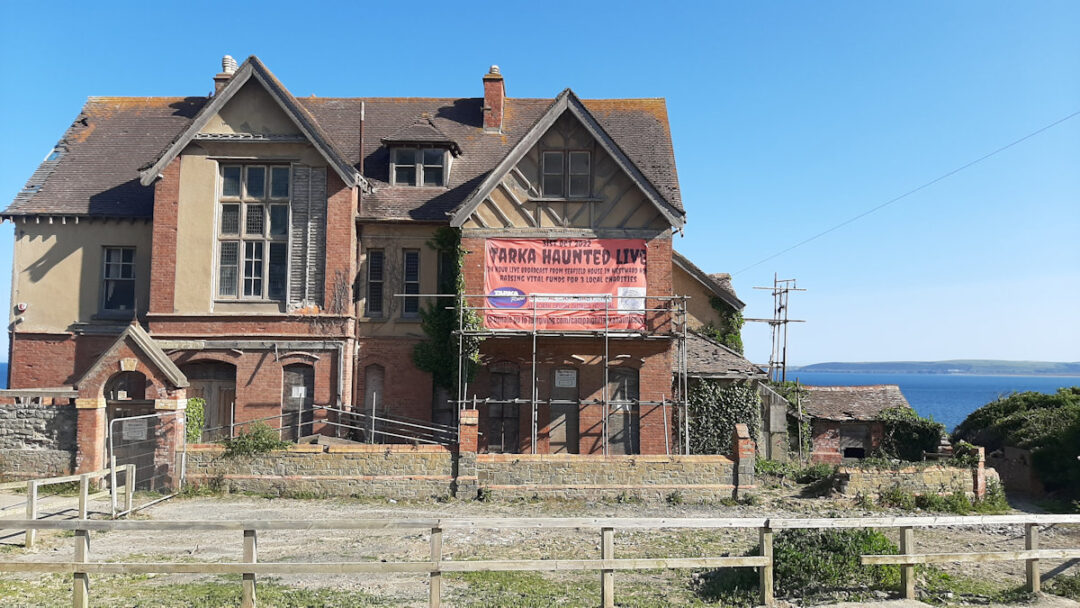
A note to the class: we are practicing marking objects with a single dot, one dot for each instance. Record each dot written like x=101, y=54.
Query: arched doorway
x=297, y=398
x=215, y=383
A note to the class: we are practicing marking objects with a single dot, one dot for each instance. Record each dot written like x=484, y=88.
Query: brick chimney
x=494, y=100
x=228, y=68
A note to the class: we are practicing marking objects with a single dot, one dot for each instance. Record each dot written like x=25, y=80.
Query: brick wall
x=52, y=360
x=163, y=256
x=407, y=391
x=36, y=440
x=340, y=245
x=826, y=440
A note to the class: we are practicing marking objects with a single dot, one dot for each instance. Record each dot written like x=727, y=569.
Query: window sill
x=114, y=315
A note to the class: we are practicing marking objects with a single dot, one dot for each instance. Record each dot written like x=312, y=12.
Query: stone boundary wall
x=390, y=471
x=36, y=440
x=421, y=472
x=647, y=477
x=918, y=480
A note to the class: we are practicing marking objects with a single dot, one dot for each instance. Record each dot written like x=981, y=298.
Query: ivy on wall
x=908, y=435
x=715, y=408
x=438, y=354
x=729, y=331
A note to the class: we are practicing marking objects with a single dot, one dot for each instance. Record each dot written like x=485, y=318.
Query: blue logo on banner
x=507, y=297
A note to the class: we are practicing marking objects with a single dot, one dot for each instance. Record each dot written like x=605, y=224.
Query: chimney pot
x=494, y=100
x=228, y=68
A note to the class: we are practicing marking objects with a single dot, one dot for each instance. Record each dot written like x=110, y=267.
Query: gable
x=618, y=197
x=251, y=111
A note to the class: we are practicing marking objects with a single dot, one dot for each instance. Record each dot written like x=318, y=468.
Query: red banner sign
x=566, y=284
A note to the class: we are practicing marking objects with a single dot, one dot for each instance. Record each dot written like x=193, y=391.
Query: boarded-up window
x=307, y=235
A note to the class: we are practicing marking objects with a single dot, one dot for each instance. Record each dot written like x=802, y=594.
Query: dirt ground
x=411, y=590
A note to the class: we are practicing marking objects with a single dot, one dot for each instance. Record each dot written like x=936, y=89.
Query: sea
x=948, y=398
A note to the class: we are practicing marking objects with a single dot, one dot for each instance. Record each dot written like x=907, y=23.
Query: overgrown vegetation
x=808, y=564
x=438, y=354
x=959, y=503
x=729, y=331
x=793, y=470
x=257, y=438
x=907, y=434
x=1048, y=425
x=1066, y=586
x=195, y=419
x=715, y=409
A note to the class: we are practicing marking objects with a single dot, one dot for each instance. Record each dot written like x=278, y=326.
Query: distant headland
x=976, y=367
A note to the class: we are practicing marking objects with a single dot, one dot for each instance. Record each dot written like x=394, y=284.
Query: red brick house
x=270, y=254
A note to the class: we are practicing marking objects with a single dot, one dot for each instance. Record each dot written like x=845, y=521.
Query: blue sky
x=787, y=118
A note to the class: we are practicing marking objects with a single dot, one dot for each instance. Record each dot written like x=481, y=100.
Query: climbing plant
x=714, y=410
x=729, y=331
x=438, y=354
x=907, y=435
x=195, y=419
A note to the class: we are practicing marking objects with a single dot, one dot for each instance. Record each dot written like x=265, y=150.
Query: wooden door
x=623, y=416
x=503, y=418
x=563, y=425
x=298, y=396
x=215, y=383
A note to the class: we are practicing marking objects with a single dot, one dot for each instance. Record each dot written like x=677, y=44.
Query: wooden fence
x=81, y=566
x=32, y=486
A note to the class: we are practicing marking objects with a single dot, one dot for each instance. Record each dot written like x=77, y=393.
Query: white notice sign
x=565, y=378
x=133, y=430
x=299, y=392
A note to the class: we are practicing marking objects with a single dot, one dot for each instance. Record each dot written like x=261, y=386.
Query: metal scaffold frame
x=674, y=306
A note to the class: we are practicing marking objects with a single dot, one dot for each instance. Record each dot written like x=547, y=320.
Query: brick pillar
x=90, y=434
x=170, y=440
x=743, y=453
x=466, y=481
x=163, y=248
x=468, y=421
x=979, y=474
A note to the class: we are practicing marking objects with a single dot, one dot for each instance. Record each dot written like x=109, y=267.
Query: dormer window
x=566, y=174
x=417, y=166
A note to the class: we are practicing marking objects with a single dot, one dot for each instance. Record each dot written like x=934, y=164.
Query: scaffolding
x=666, y=321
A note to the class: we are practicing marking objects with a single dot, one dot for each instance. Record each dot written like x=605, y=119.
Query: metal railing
x=250, y=567
x=356, y=424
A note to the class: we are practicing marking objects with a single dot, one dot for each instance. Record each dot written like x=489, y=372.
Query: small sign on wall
x=133, y=430
x=566, y=378
x=299, y=392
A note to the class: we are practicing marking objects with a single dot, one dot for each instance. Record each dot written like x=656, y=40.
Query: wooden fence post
x=84, y=491
x=766, y=571
x=247, y=591
x=80, y=589
x=129, y=487
x=907, y=571
x=31, y=511
x=1031, y=543
x=607, y=577
x=435, y=595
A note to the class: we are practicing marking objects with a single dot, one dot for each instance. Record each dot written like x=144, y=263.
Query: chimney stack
x=228, y=68
x=494, y=100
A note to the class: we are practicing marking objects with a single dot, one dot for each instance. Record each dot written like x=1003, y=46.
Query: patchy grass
x=1066, y=586
x=569, y=590
x=130, y=591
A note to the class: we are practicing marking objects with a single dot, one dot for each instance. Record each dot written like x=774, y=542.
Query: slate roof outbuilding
x=851, y=402
x=707, y=358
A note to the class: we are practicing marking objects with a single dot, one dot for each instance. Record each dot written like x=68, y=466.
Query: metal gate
x=152, y=445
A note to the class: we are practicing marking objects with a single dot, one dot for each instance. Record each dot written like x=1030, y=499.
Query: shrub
x=259, y=438
x=675, y=498
x=809, y=563
x=815, y=472
x=907, y=434
x=195, y=419
x=1048, y=425
x=897, y=497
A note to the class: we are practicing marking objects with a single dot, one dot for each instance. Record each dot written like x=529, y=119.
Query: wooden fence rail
x=32, y=486
x=250, y=567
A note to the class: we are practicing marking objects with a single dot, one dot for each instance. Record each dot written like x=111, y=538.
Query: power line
x=912, y=191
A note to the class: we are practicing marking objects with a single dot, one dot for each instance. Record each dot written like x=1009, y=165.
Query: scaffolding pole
x=675, y=307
